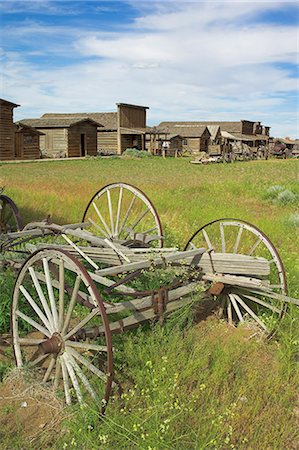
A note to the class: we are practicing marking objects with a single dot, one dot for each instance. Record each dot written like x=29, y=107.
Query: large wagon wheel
x=121, y=212
x=54, y=301
x=238, y=305
x=10, y=219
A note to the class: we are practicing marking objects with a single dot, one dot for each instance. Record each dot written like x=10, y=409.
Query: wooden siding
x=55, y=142
x=132, y=117
x=107, y=142
x=7, y=132
x=87, y=132
x=175, y=146
x=130, y=141
x=247, y=127
x=27, y=145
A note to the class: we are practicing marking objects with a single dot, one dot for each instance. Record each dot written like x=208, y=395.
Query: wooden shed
x=119, y=130
x=27, y=142
x=66, y=137
x=7, y=130
x=196, y=138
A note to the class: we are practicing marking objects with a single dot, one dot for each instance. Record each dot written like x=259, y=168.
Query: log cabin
x=65, y=137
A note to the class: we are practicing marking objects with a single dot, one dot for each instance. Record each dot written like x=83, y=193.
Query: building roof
x=214, y=130
x=22, y=127
x=56, y=122
x=132, y=106
x=6, y=102
x=231, y=127
x=108, y=120
x=185, y=129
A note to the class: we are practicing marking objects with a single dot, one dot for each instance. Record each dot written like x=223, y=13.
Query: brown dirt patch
x=29, y=410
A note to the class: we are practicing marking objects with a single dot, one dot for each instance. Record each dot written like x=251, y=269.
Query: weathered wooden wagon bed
x=78, y=284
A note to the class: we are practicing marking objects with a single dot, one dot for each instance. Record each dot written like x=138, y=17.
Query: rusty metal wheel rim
x=7, y=204
x=233, y=300
x=51, y=313
x=113, y=227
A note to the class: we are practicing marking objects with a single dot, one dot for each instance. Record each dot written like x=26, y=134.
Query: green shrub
x=134, y=153
x=293, y=220
x=273, y=191
x=286, y=197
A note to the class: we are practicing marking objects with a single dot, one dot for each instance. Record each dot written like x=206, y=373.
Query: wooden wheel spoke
x=110, y=212
x=222, y=234
x=250, y=312
x=50, y=368
x=82, y=377
x=35, y=307
x=87, y=364
x=66, y=384
x=86, y=346
x=57, y=373
x=137, y=222
x=50, y=292
x=42, y=297
x=255, y=246
x=98, y=227
x=261, y=302
x=237, y=243
x=207, y=239
x=72, y=303
x=101, y=218
x=32, y=322
x=229, y=312
x=61, y=295
x=236, y=308
x=127, y=214
x=118, y=211
x=73, y=378
x=81, y=324
x=36, y=361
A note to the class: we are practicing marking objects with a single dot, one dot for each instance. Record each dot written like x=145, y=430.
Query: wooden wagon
x=78, y=284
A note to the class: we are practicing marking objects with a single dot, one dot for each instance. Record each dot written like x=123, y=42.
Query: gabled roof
x=6, y=102
x=108, y=120
x=55, y=122
x=184, y=129
x=22, y=127
x=214, y=130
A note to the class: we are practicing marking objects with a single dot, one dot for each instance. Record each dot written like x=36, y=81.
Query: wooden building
x=195, y=138
x=7, y=130
x=125, y=128
x=27, y=142
x=65, y=137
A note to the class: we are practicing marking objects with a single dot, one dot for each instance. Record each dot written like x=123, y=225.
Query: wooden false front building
x=7, y=130
x=120, y=130
x=65, y=137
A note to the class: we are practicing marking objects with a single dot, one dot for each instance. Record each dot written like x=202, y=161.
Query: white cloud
x=192, y=61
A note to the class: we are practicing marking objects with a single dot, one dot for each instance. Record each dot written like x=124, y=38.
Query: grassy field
x=208, y=386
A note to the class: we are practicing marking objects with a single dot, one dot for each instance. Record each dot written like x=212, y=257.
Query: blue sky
x=186, y=60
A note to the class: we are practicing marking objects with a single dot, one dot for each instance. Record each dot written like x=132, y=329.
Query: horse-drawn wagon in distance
x=79, y=284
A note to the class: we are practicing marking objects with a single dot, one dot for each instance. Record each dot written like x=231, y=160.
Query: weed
x=286, y=197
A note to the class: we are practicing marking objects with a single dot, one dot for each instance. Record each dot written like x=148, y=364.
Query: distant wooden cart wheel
x=121, y=212
x=54, y=303
x=234, y=236
x=10, y=219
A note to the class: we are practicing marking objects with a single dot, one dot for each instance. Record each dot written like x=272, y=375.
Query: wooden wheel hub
x=53, y=345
